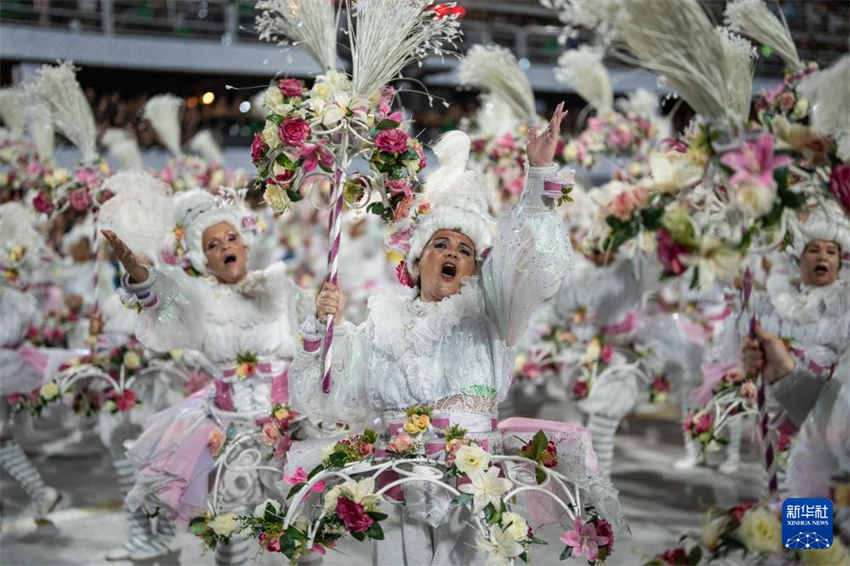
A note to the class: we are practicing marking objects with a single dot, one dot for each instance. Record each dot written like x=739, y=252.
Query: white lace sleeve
x=530, y=258
x=347, y=402
x=171, y=314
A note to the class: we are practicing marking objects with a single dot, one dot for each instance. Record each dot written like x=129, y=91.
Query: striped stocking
x=603, y=428
x=233, y=554
x=16, y=463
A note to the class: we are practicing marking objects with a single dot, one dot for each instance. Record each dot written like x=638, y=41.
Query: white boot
x=602, y=429
x=733, y=449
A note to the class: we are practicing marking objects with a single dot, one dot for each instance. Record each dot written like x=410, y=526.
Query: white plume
x=582, y=68
x=163, y=112
x=13, y=103
x=41, y=130
x=829, y=92
x=754, y=20
x=641, y=102
x=739, y=62
x=495, y=116
x=123, y=145
x=309, y=24
x=495, y=69
x=18, y=226
x=204, y=144
x=69, y=108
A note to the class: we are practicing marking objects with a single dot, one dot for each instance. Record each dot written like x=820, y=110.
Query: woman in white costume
x=452, y=345
x=230, y=315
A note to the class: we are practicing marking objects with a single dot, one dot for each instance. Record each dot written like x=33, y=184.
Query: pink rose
x=425, y=208
x=670, y=253
x=839, y=184
x=402, y=209
x=215, y=441
x=786, y=101
x=607, y=353
x=580, y=390
x=549, y=457
x=269, y=542
x=290, y=87
x=403, y=276
x=627, y=202
x=603, y=529
x=15, y=398
x=400, y=443
x=353, y=516
x=392, y=141
x=283, y=179
x=735, y=375
x=80, y=199
x=704, y=424
x=126, y=400
x=270, y=434
x=479, y=145
x=293, y=132
x=660, y=385
x=42, y=203
x=258, y=148
x=88, y=176
x=689, y=422
x=674, y=557
x=364, y=448
x=397, y=187
x=530, y=370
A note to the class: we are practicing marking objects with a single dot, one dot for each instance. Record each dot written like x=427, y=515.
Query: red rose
x=783, y=443
x=42, y=203
x=704, y=423
x=270, y=542
x=398, y=187
x=15, y=398
x=603, y=529
x=258, y=148
x=353, y=516
x=580, y=389
x=392, y=141
x=689, y=422
x=290, y=87
x=670, y=253
x=675, y=557
x=839, y=184
x=294, y=132
x=364, y=448
x=126, y=401
x=660, y=385
x=737, y=512
x=607, y=353
x=80, y=199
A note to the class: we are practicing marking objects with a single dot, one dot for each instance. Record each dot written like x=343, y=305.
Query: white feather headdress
x=69, y=108
x=825, y=222
x=457, y=199
x=582, y=68
x=141, y=212
x=496, y=70
x=829, y=92
x=41, y=130
x=163, y=112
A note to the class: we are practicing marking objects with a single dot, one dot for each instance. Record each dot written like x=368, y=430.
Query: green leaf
x=377, y=515
x=376, y=208
x=489, y=513
x=284, y=161
x=695, y=279
x=539, y=443
x=539, y=475
x=198, y=528
x=294, y=196
x=359, y=536
x=369, y=436
x=651, y=218
x=294, y=489
x=375, y=532
x=276, y=118
x=534, y=540
x=287, y=545
x=386, y=124
x=295, y=533
x=567, y=553
x=524, y=557
x=396, y=172
x=231, y=431
x=337, y=459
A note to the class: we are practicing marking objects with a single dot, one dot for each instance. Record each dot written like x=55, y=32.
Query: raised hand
x=541, y=146
x=767, y=354
x=331, y=300
x=131, y=262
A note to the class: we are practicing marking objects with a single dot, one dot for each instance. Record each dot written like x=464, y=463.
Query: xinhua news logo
x=807, y=523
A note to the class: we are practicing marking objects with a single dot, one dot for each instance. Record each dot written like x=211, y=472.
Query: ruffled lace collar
x=401, y=323
x=804, y=304
x=247, y=303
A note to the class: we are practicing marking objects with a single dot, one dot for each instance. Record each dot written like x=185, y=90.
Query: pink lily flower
x=315, y=154
x=300, y=476
x=755, y=161
x=584, y=540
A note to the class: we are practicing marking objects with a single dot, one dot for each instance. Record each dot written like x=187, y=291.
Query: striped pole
x=96, y=253
x=334, y=231
x=768, y=449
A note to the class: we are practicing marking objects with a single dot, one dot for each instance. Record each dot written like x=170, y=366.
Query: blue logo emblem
x=807, y=523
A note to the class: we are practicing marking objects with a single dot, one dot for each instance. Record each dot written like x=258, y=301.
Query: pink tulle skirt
x=172, y=461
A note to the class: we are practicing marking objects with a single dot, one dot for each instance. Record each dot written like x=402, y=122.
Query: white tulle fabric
x=18, y=311
x=409, y=352
x=259, y=315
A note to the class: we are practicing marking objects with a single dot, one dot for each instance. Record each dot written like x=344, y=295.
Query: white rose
x=260, y=510
x=49, y=391
x=276, y=198
x=593, y=351
x=322, y=90
x=471, y=458
x=755, y=199
x=176, y=354
x=761, y=531
x=270, y=135
x=570, y=152
x=224, y=525
x=274, y=100
x=800, y=109
x=326, y=451
x=331, y=498
x=514, y=525
x=131, y=360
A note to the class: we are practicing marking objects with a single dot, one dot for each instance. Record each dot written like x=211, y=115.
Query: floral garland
x=80, y=191
x=783, y=99
x=613, y=134
x=277, y=430
x=37, y=400
x=300, y=140
x=596, y=358
x=659, y=390
x=748, y=531
x=190, y=171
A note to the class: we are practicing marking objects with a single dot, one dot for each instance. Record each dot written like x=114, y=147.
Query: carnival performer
x=450, y=347
x=245, y=324
x=807, y=310
x=21, y=367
